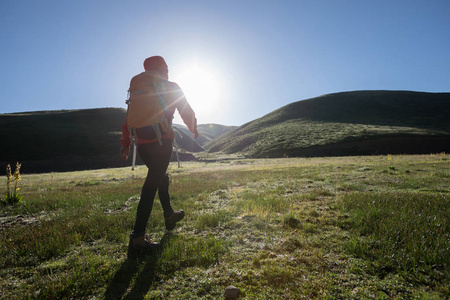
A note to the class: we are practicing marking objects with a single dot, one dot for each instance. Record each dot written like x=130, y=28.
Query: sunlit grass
x=211, y=219
x=406, y=232
x=326, y=228
x=182, y=252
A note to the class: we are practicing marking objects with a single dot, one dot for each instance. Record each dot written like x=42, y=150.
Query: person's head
x=157, y=63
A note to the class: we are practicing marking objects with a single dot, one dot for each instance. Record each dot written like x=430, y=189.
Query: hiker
x=154, y=145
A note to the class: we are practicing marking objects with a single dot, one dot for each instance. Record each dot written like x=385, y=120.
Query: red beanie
x=154, y=63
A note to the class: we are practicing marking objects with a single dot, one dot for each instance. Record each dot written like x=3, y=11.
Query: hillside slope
x=47, y=141
x=206, y=133
x=62, y=140
x=348, y=123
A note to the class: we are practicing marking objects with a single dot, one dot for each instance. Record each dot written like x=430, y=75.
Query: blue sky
x=258, y=55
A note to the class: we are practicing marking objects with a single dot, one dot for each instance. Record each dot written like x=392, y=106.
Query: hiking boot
x=139, y=246
x=172, y=220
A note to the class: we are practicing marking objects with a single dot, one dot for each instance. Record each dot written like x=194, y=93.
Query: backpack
x=146, y=104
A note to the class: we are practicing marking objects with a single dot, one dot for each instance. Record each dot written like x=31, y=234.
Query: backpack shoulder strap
x=161, y=90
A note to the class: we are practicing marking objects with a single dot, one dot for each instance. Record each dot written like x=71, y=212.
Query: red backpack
x=146, y=103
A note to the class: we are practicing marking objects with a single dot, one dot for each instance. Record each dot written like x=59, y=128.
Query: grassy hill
x=348, y=123
x=62, y=140
x=48, y=141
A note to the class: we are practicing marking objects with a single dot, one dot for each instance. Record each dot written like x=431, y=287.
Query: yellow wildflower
x=15, y=197
x=8, y=172
x=17, y=172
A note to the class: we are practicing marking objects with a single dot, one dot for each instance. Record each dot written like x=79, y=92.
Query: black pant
x=157, y=158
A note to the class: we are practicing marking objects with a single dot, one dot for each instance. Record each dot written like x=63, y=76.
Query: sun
x=201, y=87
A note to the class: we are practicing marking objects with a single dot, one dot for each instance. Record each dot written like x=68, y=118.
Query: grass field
x=374, y=227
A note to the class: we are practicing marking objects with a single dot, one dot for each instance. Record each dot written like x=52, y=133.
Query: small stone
x=232, y=292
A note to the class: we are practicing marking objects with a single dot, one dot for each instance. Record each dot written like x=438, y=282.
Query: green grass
x=405, y=232
x=313, y=228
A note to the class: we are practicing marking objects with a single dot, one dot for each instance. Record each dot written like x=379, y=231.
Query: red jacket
x=175, y=99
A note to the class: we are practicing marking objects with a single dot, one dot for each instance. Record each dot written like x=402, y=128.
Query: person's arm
x=184, y=109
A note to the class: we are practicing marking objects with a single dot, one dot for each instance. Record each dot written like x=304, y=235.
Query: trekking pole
x=133, y=138
x=176, y=146
x=176, y=152
x=133, y=165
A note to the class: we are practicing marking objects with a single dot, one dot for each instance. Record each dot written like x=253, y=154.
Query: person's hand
x=124, y=152
x=195, y=134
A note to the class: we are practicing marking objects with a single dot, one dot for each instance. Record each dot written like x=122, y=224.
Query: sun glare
x=201, y=87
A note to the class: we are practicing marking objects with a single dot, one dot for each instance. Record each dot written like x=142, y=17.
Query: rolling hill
x=64, y=140
x=347, y=123
x=50, y=141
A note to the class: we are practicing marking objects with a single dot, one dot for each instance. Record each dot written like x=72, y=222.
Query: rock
x=232, y=292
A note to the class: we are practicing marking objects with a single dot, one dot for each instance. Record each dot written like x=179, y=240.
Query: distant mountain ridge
x=347, y=123
x=206, y=134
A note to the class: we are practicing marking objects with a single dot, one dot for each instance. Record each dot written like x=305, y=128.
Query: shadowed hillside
x=184, y=139
x=349, y=123
x=62, y=140
x=48, y=141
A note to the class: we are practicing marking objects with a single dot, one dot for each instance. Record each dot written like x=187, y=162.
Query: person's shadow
x=123, y=277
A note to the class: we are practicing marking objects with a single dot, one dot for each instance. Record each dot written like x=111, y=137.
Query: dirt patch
x=7, y=222
x=126, y=206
